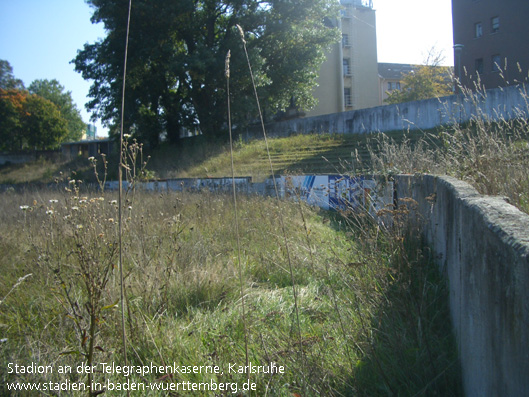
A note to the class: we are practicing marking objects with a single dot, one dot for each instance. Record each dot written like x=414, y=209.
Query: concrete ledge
x=482, y=243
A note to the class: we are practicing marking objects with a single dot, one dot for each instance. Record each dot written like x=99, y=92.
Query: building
x=491, y=41
x=87, y=148
x=91, y=132
x=349, y=77
x=390, y=77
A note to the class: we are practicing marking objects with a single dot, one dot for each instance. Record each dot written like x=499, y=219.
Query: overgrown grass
x=373, y=316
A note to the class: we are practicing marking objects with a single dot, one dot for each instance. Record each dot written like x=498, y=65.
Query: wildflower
x=111, y=220
x=24, y=207
x=92, y=158
x=79, y=226
x=130, y=207
x=49, y=212
x=114, y=202
x=75, y=208
x=82, y=201
x=126, y=136
x=53, y=201
x=71, y=181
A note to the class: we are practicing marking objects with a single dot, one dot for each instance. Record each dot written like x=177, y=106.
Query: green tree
x=43, y=125
x=55, y=92
x=7, y=78
x=427, y=81
x=176, y=66
x=12, y=103
x=28, y=121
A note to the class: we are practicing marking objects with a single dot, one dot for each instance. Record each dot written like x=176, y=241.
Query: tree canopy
x=28, y=121
x=39, y=118
x=53, y=91
x=7, y=78
x=175, y=71
x=427, y=81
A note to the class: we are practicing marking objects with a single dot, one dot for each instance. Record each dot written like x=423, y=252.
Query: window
x=345, y=39
x=397, y=87
x=478, y=30
x=390, y=86
x=346, y=69
x=479, y=66
x=495, y=25
x=496, y=63
x=347, y=97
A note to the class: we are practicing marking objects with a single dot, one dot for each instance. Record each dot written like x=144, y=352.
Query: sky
x=40, y=38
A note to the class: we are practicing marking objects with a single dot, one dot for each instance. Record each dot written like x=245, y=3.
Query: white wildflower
x=24, y=207
x=53, y=201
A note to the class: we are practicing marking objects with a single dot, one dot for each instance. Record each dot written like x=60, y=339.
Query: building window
x=345, y=39
x=478, y=30
x=496, y=63
x=495, y=24
x=479, y=66
x=346, y=69
x=347, y=97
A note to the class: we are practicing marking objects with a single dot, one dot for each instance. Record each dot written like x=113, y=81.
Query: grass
x=373, y=316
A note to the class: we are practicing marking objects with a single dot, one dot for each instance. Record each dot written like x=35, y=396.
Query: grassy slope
x=331, y=153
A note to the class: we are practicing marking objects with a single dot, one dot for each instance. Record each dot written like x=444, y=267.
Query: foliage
x=175, y=72
x=53, y=91
x=28, y=121
x=7, y=78
x=427, y=81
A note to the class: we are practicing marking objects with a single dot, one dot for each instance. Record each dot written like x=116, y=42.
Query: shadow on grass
x=412, y=351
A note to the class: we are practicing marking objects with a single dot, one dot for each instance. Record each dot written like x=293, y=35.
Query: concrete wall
x=508, y=102
x=482, y=243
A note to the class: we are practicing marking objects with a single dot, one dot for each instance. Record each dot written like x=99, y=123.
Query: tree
x=427, y=81
x=54, y=92
x=12, y=103
x=28, y=121
x=43, y=125
x=7, y=78
x=175, y=72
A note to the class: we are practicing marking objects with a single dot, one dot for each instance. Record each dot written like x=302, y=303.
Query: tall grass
x=492, y=155
x=183, y=294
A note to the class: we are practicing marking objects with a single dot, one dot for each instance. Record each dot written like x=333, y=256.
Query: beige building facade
x=349, y=77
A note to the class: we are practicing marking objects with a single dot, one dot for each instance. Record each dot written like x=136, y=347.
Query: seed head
x=241, y=32
x=227, y=64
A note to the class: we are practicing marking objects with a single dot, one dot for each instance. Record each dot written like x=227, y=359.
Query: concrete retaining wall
x=493, y=104
x=482, y=243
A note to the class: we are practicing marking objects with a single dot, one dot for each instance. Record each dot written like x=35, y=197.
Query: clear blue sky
x=39, y=38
